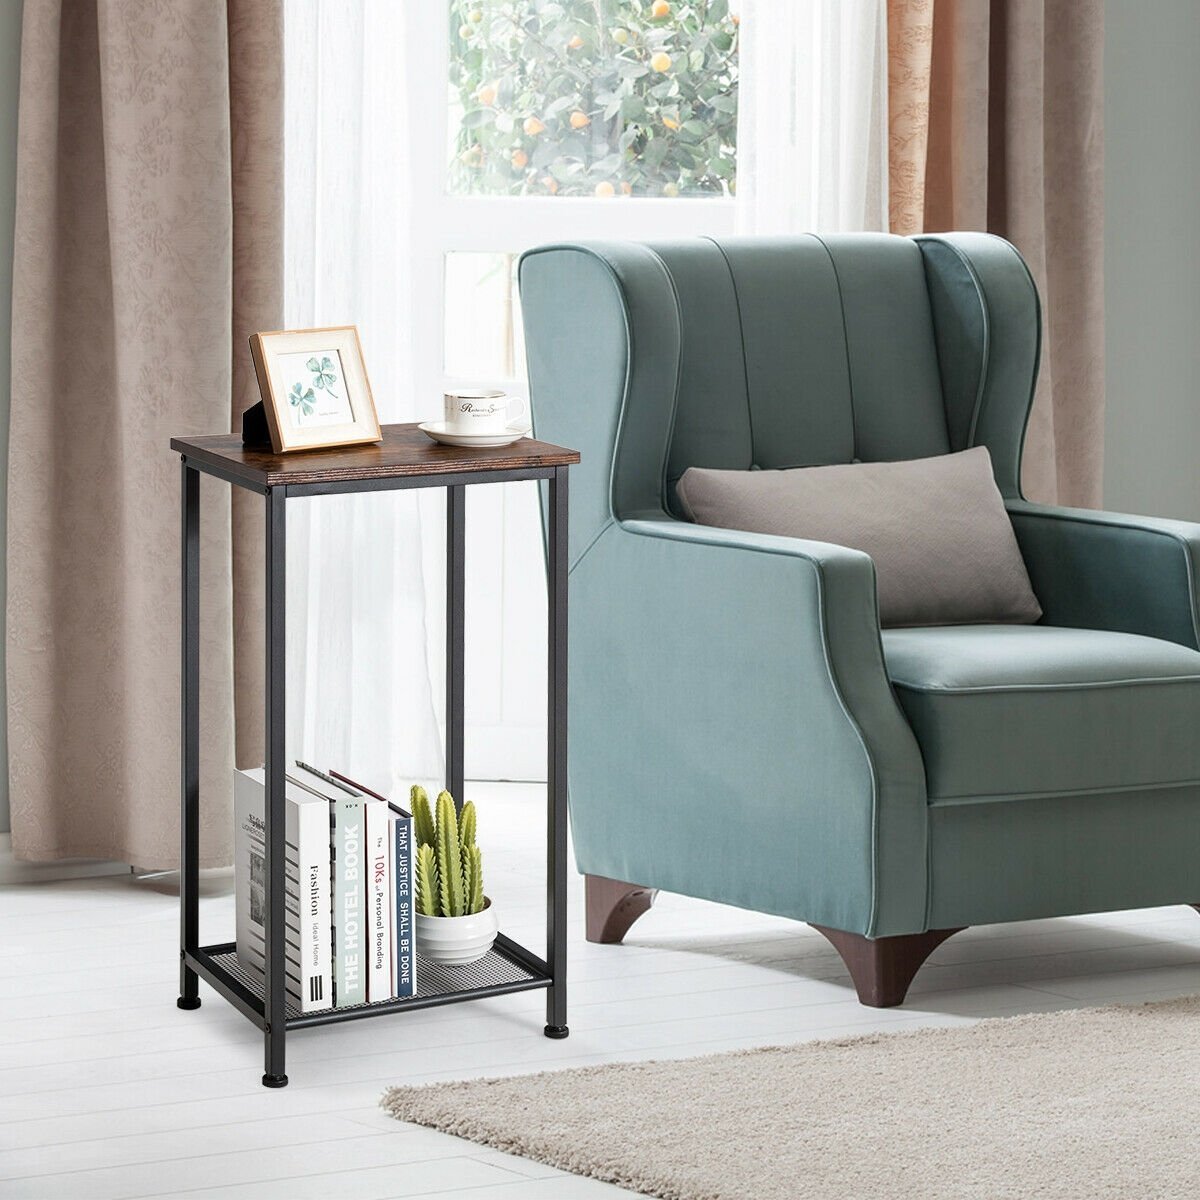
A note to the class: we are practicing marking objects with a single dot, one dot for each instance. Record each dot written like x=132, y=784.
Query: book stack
x=348, y=889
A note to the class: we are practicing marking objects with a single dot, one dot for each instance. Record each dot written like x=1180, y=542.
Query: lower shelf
x=507, y=967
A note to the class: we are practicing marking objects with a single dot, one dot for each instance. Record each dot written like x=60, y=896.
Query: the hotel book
x=307, y=954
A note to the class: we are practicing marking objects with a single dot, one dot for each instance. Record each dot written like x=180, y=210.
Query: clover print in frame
x=316, y=391
x=314, y=388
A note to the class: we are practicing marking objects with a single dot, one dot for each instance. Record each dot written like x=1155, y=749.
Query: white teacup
x=482, y=411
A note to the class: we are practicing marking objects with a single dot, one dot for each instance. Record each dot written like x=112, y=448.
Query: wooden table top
x=404, y=451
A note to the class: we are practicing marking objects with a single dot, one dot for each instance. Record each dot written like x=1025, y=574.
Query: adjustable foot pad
x=275, y=1081
x=188, y=1002
x=556, y=1031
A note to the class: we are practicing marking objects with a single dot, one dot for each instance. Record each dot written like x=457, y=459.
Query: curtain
x=1014, y=144
x=812, y=117
x=359, y=688
x=147, y=173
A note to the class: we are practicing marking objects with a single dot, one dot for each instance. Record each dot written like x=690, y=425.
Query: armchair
x=741, y=729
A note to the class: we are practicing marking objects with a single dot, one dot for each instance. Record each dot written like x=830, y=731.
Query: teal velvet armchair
x=741, y=729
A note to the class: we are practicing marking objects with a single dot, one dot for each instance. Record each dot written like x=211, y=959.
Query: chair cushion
x=1006, y=711
x=943, y=546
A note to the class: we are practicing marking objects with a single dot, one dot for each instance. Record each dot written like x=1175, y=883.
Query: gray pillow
x=942, y=542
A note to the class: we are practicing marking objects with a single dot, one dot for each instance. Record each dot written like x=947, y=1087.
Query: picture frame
x=315, y=389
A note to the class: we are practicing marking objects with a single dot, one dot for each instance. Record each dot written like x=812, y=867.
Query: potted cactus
x=455, y=920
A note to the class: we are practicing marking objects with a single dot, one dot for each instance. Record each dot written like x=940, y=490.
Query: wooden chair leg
x=883, y=968
x=613, y=906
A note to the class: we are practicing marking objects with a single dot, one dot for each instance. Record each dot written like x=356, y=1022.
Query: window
x=564, y=119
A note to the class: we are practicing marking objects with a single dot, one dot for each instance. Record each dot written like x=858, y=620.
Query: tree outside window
x=598, y=98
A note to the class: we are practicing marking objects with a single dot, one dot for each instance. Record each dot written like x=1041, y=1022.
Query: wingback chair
x=740, y=727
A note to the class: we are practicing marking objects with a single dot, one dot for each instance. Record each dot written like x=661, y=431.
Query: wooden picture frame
x=315, y=390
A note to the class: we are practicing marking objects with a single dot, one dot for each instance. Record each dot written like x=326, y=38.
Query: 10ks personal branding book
x=348, y=890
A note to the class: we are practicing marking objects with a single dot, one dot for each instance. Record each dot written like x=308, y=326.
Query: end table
x=405, y=458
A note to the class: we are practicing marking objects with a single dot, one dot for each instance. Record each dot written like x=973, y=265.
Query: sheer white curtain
x=360, y=695
x=812, y=116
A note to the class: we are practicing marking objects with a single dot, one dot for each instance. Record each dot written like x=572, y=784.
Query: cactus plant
x=451, y=890
x=466, y=826
x=473, y=871
x=427, y=884
x=422, y=817
x=449, y=863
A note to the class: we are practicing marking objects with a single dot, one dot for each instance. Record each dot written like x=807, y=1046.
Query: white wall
x=1152, y=256
x=10, y=58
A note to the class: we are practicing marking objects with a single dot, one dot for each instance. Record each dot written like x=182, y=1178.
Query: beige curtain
x=1014, y=144
x=148, y=181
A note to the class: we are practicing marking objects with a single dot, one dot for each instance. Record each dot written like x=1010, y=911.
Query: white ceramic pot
x=456, y=941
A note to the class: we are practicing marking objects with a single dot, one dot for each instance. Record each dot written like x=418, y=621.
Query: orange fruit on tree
x=626, y=188
x=660, y=9
x=550, y=184
x=486, y=95
x=670, y=124
x=671, y=189
x=580, y=120
x=520, y=159
x=465, y=31
x=575, y=43
x=605, y=189
x=533, y=126
x=660, y=62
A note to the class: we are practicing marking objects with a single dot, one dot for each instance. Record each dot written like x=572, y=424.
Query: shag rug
x=1082, y=1104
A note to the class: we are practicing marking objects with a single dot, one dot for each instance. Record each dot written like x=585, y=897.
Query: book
x=349, y=897
x=380, y=901
x=307, y=923
x=348, y=854
x=404, y=959
x=403, y=899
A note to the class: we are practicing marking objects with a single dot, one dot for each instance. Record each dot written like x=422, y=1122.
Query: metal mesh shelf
x=505, y=968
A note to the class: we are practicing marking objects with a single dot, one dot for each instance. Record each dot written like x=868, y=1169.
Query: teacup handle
x=522, y=408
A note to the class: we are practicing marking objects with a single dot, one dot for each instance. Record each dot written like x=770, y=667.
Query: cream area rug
x=1083, y=1104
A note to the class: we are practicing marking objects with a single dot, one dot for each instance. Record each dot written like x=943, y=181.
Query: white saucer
x=438, y=431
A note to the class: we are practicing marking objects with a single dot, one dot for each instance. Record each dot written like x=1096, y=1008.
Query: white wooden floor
x=107, y=1090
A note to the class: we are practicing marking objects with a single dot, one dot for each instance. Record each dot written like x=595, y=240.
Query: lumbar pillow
x=943, y=546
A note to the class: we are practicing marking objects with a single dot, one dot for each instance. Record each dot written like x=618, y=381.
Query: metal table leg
x=556, y=766
x=275, y=917
x=189, y=675
x=456, y=501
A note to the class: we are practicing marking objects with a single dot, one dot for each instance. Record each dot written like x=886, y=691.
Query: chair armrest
x=734, y=734
x=1102, y=570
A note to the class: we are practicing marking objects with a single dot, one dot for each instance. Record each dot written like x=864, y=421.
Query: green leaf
x=633, y=108
x=607, y=165
x=476, y=118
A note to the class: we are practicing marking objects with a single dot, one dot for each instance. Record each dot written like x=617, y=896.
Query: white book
x=307, y=902
x=380, y=902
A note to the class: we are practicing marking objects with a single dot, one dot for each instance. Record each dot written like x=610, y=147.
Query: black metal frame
x=268, y=1009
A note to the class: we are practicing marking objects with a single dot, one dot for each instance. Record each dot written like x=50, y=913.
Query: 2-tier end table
x=405, y=458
